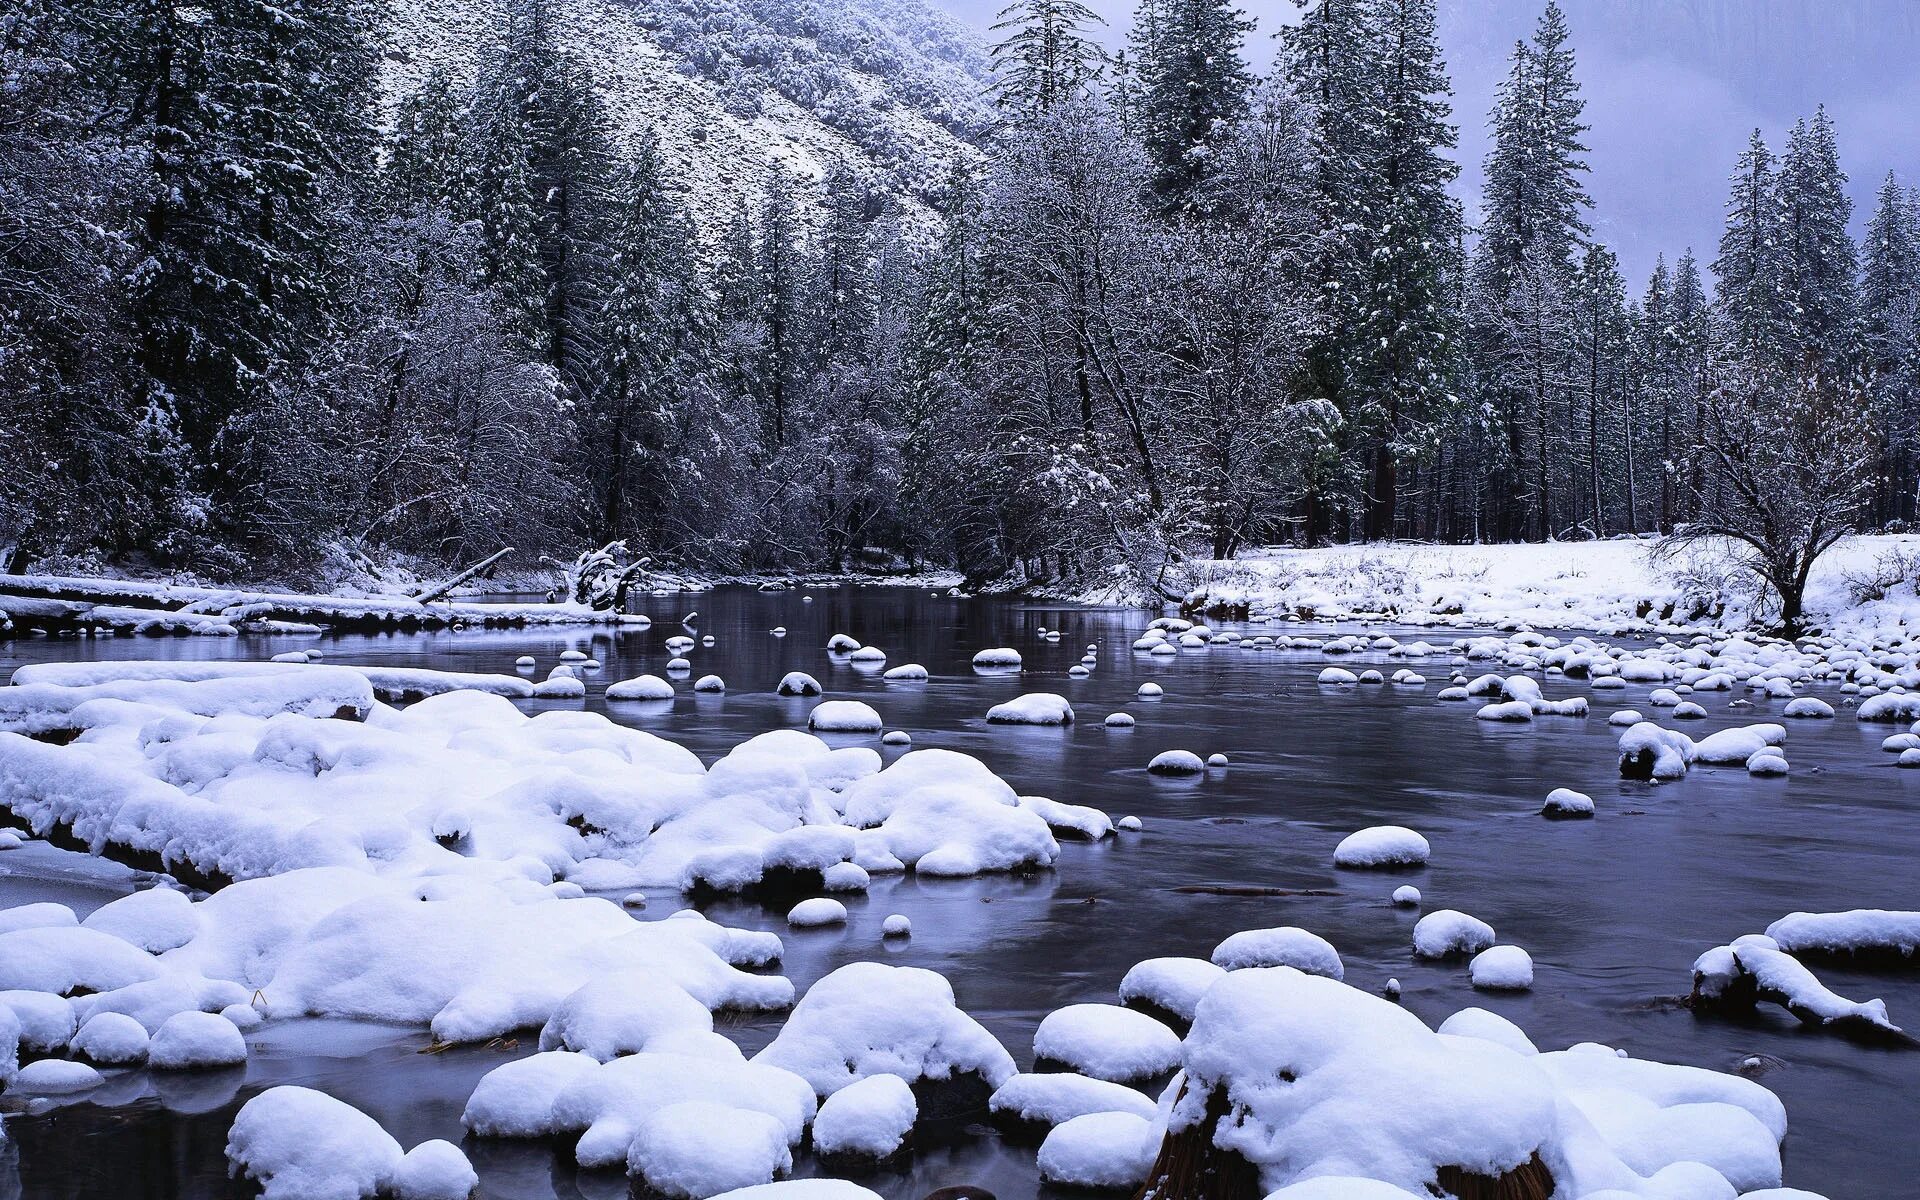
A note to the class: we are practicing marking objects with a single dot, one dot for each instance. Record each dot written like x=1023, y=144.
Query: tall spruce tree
x=1047, y=56
x=655, y=342
x=424, y=151
x=260, y=127
x=1601, y=380
x=781, y=313
x=1197, y=87
x=1750, y=269
x=1408, y=333
x=1522, y=272
x=1332, y=59
x=1890, y=343
x=1820, y=260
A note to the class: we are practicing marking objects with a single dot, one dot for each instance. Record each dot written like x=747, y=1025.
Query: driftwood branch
x=441, y=589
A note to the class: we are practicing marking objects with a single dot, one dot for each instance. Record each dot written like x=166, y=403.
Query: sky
x=1673, y=89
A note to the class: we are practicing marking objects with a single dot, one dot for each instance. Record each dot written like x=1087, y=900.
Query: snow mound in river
x=1326, y=1080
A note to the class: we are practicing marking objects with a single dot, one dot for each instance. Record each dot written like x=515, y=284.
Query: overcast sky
x=1673, y=88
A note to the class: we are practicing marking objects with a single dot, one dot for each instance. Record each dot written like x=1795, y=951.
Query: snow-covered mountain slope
x=730, y=86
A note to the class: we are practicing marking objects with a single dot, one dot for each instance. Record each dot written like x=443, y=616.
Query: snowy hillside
x=730, y=85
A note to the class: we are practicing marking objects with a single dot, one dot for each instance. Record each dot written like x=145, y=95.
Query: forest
x=256, y=314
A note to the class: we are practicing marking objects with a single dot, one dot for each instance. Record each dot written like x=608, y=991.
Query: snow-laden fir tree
x=1408, y=336
x=1602, y=385
x=781, y=309
x=260, y=119
x=1890, y=342
x=425, y=146
x=1332, y=59
x=1820, y=260
x=1196, y=88
x=1521, y=275
x=539, y=187
x=655, y=341
x=1046, y=57
x=1750, y=271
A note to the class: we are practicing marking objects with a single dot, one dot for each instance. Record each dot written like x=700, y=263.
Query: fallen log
x=441, y=589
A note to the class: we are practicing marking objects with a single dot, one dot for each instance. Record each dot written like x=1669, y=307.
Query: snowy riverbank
x=1863, y=585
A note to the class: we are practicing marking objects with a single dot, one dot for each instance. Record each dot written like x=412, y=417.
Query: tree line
x=248, y=315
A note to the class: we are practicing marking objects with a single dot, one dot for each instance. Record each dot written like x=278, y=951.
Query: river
x=1613, y=910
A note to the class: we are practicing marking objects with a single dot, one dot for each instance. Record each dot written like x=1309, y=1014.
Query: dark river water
x=1613, y=910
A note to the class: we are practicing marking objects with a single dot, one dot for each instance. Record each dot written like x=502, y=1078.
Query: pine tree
x=1819, y=258
x=1650, y=402
x=1522, y=271
x=1047, y=57
x=781, y=276
x=656, y=337
x=844, y=299
x=1409, y=331
x=497, y=194
x=424, y=148
x=538, y=185
x=1890, y=341
x=1692, y=350
x=1197, y=86
x=1751, y=267
x=1534, y=195
x=1332, y=61
x=261, y=123
x=1601, y=350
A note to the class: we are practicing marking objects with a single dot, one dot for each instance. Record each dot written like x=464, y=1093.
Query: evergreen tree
x=656, y=338
x=1650, y=402
x=425, y=145
x=1535, y=197
x=1890, y=340
x=1408, y=332
x=1819, y=260
x=844, y=300
x=497, y=193
x=1523, y=268
x=1332, y=59
x=261, y=118
x=1601, y=352
x=781, y=310
x=1196, y=88
x=1047, y=56
x=1751, y=267
x=539, y=187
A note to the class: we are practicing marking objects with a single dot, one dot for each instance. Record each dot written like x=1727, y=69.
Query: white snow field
x=1605, y=586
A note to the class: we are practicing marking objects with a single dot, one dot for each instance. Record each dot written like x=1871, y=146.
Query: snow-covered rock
x=1284, y=946
x=869, y=1019
x=1026, y=1106
x=300, y=1144
x=1382, y=846
x=868, y=1120
x=1104, y=1041
x=1034, y=708
x=196, y=1041
x=1107, y=1151
x=843, y=716
x=1501, y=969
x=1445, y=933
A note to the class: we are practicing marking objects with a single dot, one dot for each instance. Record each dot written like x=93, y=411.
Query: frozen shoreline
x=1601, y=586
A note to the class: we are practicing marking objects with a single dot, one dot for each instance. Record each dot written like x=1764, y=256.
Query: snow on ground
x=1606, y=585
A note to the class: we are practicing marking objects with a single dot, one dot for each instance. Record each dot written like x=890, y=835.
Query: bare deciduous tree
x=1788, y=466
